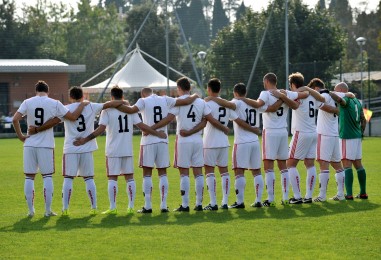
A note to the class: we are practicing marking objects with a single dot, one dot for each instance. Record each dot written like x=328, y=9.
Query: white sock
x=225, y=182
x=112, y=192
x=295, y=182
x=131, y=192
x=184, y=189
x=211, y=185
x=91, y=192
x=258, y=187
x=310, y=182
x=340, y=178
x=270, y=185
x=147, y=190
x=239, y=185
x=29, y=193
x=199, y=187
x=285, y=181
x=48, y=192
x=163, y=183
x=323, y=179
x=67, y=190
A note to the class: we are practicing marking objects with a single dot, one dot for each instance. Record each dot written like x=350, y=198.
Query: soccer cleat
x=362, y=196
x=164, y=210
x=182, y=209
x=307, y=200
x=93, y=212
x=210, y=207
x=235, y=205
x=284, y=202
x=30, y=214
x=268, y=203
x=257, y=204
x=348, y=197
x=50, y=214
x=225, y=206
x=295, y=201
x=198, y=208
x=319, y=199
x=110, y=212
x=65, y=212
x=130, y=211
x=338, y=198
x=144, y=210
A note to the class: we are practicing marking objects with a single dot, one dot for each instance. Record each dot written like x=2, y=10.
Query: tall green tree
x=241, y=10
x=220, y=20
x=199, y=32
x=231, y=7
x=342, y=12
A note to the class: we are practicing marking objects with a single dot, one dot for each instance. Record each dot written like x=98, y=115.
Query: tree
x=231, y=7
x=342, y=12
x=241, y=10
x=220, y=20
x=199, y=32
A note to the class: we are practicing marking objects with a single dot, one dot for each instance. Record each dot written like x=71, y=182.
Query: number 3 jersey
x=38, y=110
x=153, y=109
x=80, y=128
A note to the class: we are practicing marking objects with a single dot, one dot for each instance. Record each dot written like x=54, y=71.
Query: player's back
x=251, y=116
x=81, y=128
x=350, y=119
x=327, y=123
x=303, y=118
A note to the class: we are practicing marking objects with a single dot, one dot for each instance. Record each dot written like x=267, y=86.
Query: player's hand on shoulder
x=283, y=91
x=85, y=102
x=275, y=93
x=125, y=102
x=207, y=99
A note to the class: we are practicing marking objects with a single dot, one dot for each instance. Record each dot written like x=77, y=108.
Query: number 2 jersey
x=81, y=128
x=38, y=110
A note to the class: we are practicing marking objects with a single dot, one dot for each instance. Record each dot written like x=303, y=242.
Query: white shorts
x=247, y=156
x=216, y=156
x=302, y=146
x=328, y=148
x=116, y=166
x=38, y=158
x=351, y=149
x=154, y=154
x=189, y=155
x=274, y=144
x=78, y=164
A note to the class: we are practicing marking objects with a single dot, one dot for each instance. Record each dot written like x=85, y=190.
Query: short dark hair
x=297, y=79
x=183, y=83
x=271, y=77
x=240, y=89
x=316, y=82
x=42, y=86
x=117, y=92
x=215, y=85
x=76, y=92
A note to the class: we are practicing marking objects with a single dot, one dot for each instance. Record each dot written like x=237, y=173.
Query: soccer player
x=119, y=150
x=328, y=147
x=154, y=150
x=352, y=125
x=39, y=148
x=275, y=135
x=304, y=138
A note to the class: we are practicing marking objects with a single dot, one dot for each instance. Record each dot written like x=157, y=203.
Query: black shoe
x=198, y=208
x=295, y=201
x=309, y=200
x=362, y=196
x=237, y=206
x=210, y=207
x=144, y=210
x=225, y=206
x=268, y=203
x=181, y=208
x=256, y=205
x=348, y=197
x=164, y=210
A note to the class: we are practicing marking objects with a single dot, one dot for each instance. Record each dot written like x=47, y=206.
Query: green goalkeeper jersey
x=349, y=119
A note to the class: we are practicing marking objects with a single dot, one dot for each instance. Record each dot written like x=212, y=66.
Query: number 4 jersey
x=82, y=127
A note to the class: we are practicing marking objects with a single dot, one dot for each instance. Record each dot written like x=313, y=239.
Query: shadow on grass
x=313, y=210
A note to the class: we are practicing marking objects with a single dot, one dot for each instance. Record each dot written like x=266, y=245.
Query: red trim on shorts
x=296, y=136
x=175, y=160
x=264, y=145
x=344, y=149
x=107, y=170
x=141, y=156
x=318, y=146
x=54, y=163
x=235, y=156
x=63, y=166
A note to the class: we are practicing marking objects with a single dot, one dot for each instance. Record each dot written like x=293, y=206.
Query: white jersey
x=153, y=109
x=188, y=117
x=278, y=119
x=328, y=123
x=38, y=110
x=119, y=131
x=251, y=116
x=81, y=128
x=213, y=137
x=303, y=118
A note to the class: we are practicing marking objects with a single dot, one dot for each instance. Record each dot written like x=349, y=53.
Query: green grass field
x=331, y=230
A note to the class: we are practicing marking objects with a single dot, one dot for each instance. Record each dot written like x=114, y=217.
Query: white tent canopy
x=134, y=76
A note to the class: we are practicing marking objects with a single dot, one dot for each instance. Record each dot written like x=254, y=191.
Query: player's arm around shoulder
x=312, y=92
x=221, y=102
x=186, y=101
x=337, y=98
x=283, y=95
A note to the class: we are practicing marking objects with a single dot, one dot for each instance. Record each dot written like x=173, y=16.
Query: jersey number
x=81, y=123
x=191, y=114
x=279, y=112
x=251, y=116
x=311, y=111
x=121, y=128
x=157, y=116
x=39, y=114
x=222, y=114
